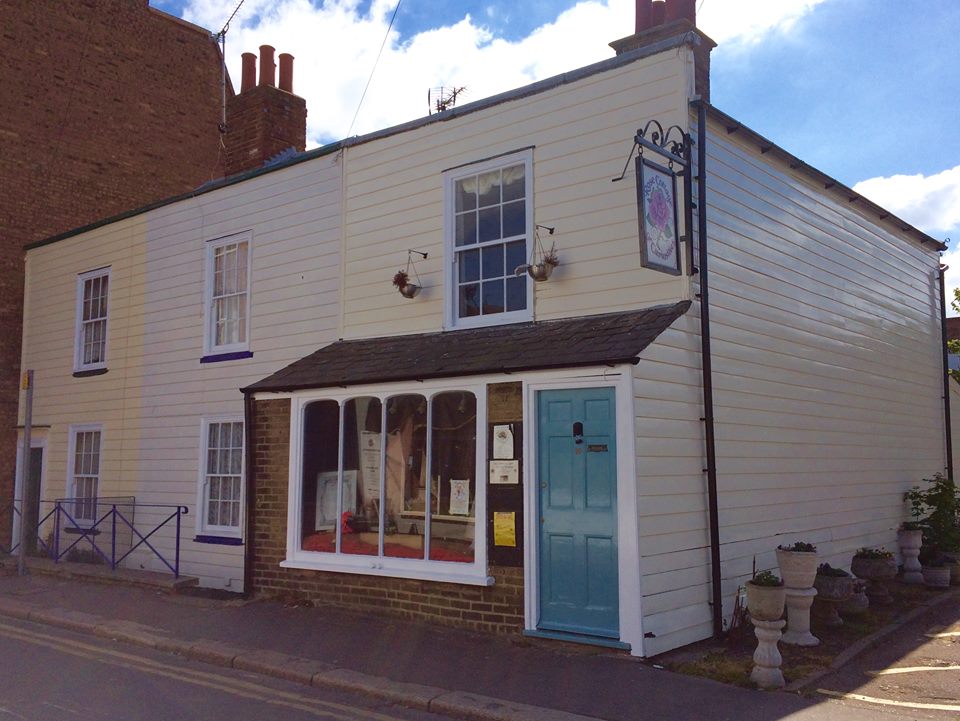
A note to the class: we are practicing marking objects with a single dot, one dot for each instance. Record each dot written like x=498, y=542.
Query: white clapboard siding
x=156, y=391
x=580, y=133
x=826, y=364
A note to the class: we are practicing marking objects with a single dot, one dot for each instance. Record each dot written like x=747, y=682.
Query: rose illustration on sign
x=661, y=235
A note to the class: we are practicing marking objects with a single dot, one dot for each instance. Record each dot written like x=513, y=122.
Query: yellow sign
x=505, y=529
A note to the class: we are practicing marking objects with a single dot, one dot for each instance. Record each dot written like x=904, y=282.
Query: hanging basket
x=540, y=271
x=401, y=279
x=410, y=290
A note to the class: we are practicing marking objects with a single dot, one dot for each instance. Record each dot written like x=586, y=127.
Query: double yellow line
x=236, y=687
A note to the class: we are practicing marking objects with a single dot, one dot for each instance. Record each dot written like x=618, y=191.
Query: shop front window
x=392, y=477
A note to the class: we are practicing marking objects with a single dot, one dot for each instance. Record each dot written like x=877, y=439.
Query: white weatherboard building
x=497, y=452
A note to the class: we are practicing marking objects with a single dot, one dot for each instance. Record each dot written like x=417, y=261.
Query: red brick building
x=104, y=107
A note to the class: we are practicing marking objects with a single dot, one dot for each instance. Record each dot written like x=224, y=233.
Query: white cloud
x=748, y=22
x=336, y=46
x=930, y=202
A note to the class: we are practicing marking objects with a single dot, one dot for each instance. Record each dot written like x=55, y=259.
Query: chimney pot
x=658, y=10
x=286, y=72
x=249, y=77
x=268, y=67
x=643, y=15
x=681, y=10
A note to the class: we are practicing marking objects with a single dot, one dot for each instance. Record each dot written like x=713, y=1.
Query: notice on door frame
x=505, y=528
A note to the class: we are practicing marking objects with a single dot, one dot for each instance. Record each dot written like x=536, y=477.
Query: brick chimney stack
x=263, y=120
x=661, y=19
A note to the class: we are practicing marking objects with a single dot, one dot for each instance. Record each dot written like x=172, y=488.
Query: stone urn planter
x=910, y=541
x=834, y=586
x=765, y=602
x=858, y=604
x=936, y=576
x=798, y=567
x=952, y=560
x=876, y=566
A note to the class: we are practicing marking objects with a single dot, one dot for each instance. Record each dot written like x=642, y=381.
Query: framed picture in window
x=326, y=509
x=657, y=210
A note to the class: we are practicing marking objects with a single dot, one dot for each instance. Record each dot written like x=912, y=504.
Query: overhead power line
x=373, y=70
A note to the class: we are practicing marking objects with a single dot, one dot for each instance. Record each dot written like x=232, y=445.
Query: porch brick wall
x=494, y=609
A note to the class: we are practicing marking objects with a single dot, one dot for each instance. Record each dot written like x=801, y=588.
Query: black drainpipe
x=708, y=420
x=946, y=371
x=249, y=418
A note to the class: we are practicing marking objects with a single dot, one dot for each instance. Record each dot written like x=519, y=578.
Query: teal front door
x=577, y=483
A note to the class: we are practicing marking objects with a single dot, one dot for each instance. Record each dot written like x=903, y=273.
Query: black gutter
x=706, y=359
x=946, y=372
x=249, y=535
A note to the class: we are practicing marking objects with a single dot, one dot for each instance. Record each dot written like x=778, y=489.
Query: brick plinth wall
x=497, y=608
x=104, y=107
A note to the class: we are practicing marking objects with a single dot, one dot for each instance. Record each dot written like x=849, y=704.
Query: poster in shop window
x=370, y=463
x=459, y=497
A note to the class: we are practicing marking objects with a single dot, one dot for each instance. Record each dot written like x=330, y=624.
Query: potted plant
x=401, y=280
x=798, y=564
x=542, y=269
x=765, y=596
x=877, y=566
x=910, y=537
x=834, y=586
x=858, y=603
x=940, y=502
x=936, y=569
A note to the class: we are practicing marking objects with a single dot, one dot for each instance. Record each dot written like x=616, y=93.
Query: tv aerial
x=440, y=99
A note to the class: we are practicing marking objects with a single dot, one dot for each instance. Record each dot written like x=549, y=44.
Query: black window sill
x=89, y=373
x=219, y=540
x=217, y=357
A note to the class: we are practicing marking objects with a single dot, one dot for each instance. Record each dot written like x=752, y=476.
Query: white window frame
x=79, y=323
x=209, y=318
x=450, y=177
x=204, y=528
x=74, y=431
x=445, y=571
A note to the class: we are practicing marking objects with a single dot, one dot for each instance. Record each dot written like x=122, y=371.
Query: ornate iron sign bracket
x=657, y=195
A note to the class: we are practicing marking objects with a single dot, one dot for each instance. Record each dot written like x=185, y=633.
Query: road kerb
x=486, y=708
x=280, y=665
x=411, y=695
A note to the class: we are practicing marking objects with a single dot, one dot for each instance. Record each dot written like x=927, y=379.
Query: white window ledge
x=390, y=568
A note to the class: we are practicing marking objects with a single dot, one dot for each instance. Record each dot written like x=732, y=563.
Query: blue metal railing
x=115, y=516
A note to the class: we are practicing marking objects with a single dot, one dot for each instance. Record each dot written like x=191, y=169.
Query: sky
x=867, y=91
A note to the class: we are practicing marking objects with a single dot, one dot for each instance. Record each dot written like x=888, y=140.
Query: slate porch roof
x=606, y=339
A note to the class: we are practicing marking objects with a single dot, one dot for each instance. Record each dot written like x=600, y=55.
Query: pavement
x=446, y=671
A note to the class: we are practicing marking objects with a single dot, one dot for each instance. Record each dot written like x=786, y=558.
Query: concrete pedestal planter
x=832, y=590
x=910, y=541
x=765, y=603
x=877, y=571
x=936, y=576
x=797, y=568
x=858, y=604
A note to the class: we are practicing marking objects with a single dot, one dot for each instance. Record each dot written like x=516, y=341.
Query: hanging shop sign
x=657, y=198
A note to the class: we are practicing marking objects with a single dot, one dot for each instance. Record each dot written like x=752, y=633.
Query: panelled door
x=577, y=479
